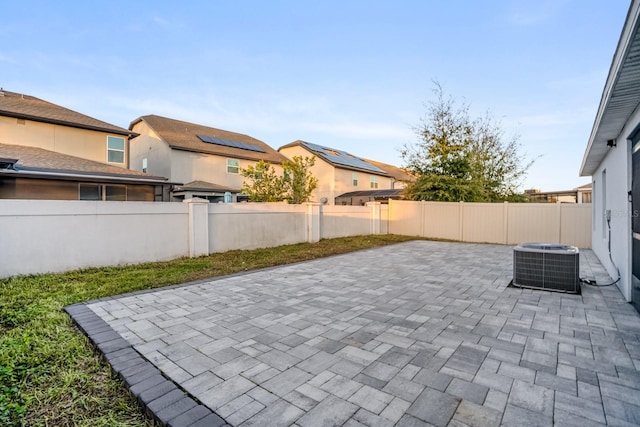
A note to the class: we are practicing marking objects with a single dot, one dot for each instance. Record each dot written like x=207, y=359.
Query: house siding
x=150, y=146
x=88, y=144
x=612, y=195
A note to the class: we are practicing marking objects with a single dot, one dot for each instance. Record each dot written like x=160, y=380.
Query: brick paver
x=420, y=333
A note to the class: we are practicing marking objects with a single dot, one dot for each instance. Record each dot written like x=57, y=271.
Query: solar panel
x=233, y=144
x=343, y=158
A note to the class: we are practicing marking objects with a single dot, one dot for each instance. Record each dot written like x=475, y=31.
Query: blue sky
x=353, y=75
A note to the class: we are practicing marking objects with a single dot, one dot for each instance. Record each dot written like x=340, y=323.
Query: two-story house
x=50, y=152
x=340, y=173
x=207, y=160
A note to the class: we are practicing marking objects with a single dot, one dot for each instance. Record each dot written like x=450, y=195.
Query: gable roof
x=397, y=173
x=31, y=108
x=620, y=96
x=34, y=161
x=182, y=135
x=338, y=158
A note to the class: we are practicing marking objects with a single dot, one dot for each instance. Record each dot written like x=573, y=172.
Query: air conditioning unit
x=547, y=266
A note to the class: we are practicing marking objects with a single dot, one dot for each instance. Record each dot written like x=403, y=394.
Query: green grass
x=49, y=373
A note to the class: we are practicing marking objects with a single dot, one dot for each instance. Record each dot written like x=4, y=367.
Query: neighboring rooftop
x=187, y=136
x=339, y=158
x=28, y=107
x=398, y=173
x=204, y=186
x=38, y=161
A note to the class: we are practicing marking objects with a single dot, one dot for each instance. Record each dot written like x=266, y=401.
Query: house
x=29, y=121
x=580, y=194
x=612, y=159
x=50, y=152
x=35, y=173
x=339, y=172
x=206, y=159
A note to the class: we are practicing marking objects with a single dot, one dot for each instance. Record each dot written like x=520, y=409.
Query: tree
x=458, y=158
x=298, y=179
x=262, y=183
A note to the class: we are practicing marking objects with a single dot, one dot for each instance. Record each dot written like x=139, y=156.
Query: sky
x=353, y=75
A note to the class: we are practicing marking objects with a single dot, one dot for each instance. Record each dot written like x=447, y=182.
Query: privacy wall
x=40, y=236
x=503, y=223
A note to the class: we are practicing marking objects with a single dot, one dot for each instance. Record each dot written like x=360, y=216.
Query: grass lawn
x=49, y=373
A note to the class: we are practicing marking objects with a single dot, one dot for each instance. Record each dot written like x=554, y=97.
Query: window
x=115, y=149
x=374, y=182
x=90, y=192
x=116, y=192
x=355, y=179
x=144, y=165
x=233, y=166
x=103, y=192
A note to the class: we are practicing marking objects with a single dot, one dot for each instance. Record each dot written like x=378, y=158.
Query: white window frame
x=117, y=150
x=373, y=181
x=354, y=179
x=233, y=164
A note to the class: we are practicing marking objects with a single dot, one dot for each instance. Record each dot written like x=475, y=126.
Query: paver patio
x=420, y=333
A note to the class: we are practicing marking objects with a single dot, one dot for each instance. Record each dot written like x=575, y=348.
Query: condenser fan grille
x=547, y=266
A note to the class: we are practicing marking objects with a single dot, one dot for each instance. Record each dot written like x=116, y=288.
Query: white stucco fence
x=40, y=236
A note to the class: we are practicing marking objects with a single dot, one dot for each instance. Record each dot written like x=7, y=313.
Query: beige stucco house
x=207, y=160
x=339, y=172
x=50, y=152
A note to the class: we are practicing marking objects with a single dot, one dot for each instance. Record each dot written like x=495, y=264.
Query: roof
x=620, y=96
x=31, y=108
x=189, y=137
x=204, y=186
x=338, y=158
x=374, y=193
x=34, y=161
x=398, y=173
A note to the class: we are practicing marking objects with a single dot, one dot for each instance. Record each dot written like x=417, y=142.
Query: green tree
x=460, y=158
x=298, y=179
x=262, y=184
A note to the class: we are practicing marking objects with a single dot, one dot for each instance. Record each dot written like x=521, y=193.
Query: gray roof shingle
x=31, y=108
x=184, y=136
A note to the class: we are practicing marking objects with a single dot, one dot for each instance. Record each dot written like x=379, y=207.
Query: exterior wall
x=502, y=223
x=187, y=166
x=51, y=189
x=617, y=165
x=55, y=236
x=84, y=143
x=95, y=234
x=149, y=145
x=183, y=166
x=341, y=221
x=255, y=225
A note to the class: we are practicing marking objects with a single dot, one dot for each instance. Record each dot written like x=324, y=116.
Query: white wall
x=340, y=221
x=57, y=235
x=617, y=164
x=255, y=225
x=40, y=236
x=503, y=223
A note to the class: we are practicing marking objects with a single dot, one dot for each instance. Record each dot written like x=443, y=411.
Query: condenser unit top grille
x=547, y=266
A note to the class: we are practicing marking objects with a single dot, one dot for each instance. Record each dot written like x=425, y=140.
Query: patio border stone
x=161, y=398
